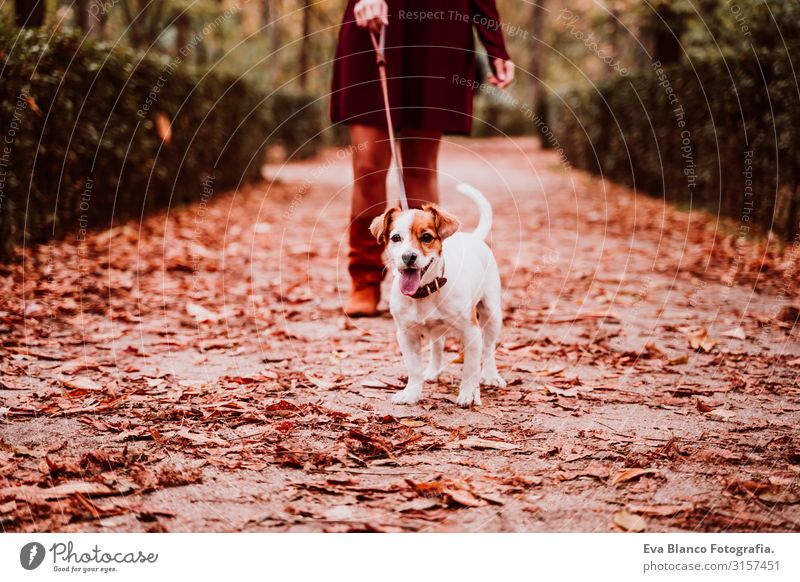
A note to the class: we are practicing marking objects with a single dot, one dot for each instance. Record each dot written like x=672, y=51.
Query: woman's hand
x=503, y=73
x=372, y=14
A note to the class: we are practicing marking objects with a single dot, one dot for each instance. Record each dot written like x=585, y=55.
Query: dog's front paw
x=469, y=396
x=492, y=378
x=407, y=396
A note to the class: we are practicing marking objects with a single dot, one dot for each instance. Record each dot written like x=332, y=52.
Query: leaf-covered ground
x=194, y=372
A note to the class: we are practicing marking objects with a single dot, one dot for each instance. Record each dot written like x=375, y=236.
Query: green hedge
x=628, y=130
x=493, y=118
x=82, y=144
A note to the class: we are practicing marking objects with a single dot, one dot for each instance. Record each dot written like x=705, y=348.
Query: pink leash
x=380, y=58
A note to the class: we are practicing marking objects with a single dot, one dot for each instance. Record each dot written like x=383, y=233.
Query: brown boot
x=366, y=270
x=363, y=302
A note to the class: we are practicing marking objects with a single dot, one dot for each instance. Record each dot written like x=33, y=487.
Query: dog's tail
x=484, y=209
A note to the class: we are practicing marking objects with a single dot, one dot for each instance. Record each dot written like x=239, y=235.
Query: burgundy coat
x=430, y=64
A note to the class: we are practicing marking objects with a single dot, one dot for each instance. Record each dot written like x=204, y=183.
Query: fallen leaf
x=566, y=393
x=703, y=407
x=318, y=382
x=200, y=313
x=493, y=499
x=630, y=474
x=699, y=340
x=565, y=404
x=427, y=488
x=33, y=493
x=630, y=521
x=174, y=477
x=462, y=497
x=581, y=316
x=33, y=105
x=82, y=383
x=476, y=443
x=164, y=127
x=720, y=414
x=789, y=313
x=736, y=332
x=594, y=470
x=374, y=384
x=766, y=492
x=196, y=438
x=659, y=510
x=419, y=504
x=551, y=372
x=76, y=366
x=340, y=513
x=679, y=360
x=411, y=423
x=776, y=495
x=21, y=450
x=653, y=351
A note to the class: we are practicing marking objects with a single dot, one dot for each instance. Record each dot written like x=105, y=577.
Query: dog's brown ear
x=446, y=224
x=382, y=224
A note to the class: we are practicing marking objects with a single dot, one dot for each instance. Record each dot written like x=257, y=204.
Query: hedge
x=717, y=134
x=84, y=127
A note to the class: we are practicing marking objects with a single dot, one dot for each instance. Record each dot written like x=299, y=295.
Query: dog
x=445, y=281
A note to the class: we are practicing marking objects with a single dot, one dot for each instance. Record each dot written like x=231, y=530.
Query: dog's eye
x=426, y=238
x=396, y=238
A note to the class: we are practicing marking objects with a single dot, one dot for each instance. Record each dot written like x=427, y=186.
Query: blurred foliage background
x=586, y=81
x=557, y=45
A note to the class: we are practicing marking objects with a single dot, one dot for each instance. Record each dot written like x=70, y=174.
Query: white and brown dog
x=444, y=282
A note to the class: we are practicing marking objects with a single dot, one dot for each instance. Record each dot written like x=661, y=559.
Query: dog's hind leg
x=470, y=390
x=411, y=347
x=435, y=364
x=491, y=318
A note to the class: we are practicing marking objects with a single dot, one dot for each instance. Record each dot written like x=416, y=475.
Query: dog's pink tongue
x=409, y=281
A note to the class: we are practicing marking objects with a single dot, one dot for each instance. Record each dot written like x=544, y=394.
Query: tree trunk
x=91, y=18
x=536, y=61
x=29, y=13
x=305, y=45
x=613, y=41
x=183, y=25
x=667, y=29
x=271, y=27
x=145, y=20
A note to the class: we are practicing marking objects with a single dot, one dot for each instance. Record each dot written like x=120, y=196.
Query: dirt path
x=193, y=373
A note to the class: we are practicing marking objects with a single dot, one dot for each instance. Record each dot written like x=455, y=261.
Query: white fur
x=472, y=279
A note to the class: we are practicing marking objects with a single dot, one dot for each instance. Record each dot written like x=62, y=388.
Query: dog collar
x=431, y=287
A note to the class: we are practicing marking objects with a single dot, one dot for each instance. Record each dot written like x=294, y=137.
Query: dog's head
x=413, y=240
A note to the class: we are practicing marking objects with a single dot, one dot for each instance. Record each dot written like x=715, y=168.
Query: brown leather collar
x=430, y=288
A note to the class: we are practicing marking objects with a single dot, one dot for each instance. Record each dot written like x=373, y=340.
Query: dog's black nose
x=409, y=258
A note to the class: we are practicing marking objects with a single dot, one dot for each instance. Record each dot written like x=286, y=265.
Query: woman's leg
x=371, y=158
x=419, y=149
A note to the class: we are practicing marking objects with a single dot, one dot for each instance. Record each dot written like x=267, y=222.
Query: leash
x=380, y=57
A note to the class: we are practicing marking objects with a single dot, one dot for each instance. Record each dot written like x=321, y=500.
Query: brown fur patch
x=445, y=223
x=424, y=223
x=475, y=315
x=382, y=224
